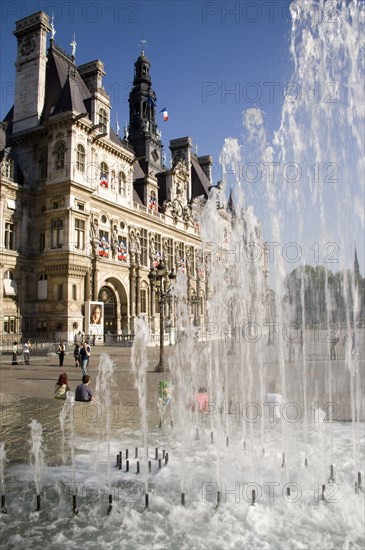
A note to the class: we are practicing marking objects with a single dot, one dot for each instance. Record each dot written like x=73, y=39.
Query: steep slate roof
x=65, y=88
x=69, y=99
x=200, y=182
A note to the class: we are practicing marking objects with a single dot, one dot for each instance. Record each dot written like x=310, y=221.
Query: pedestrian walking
x=77, y=355
x=61, y=352
x=84, y=358
x=26, y=352
x=15, y=354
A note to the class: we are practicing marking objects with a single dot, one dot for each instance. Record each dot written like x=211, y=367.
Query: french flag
x=165, y=114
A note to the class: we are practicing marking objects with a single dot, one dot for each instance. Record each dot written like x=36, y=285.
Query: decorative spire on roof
x=143, y=43
x=116, y=125
x=73, y=45
x=53, y=30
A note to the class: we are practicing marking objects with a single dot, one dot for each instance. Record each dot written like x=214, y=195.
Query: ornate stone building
x=85, y=213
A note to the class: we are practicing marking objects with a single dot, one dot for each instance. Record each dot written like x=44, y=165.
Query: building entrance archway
x=107, y=296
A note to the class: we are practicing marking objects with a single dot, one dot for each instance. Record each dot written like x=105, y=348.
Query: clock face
x=27, y=45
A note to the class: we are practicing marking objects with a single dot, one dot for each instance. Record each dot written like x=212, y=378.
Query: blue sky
x=199, y=52
x=210, y=61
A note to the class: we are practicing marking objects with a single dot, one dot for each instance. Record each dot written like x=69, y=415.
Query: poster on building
x=94, y=315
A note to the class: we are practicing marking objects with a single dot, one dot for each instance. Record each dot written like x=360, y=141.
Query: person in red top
x=202, y=399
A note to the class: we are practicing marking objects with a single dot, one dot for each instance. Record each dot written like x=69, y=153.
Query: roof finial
x=116, y=125
x=53, y=30
x=73, y=45
x=126, y=132
x=143, y=43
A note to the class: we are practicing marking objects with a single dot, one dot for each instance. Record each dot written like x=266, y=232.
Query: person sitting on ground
x=201, y=397
x=15, y=354
x=62, y=387
x=83, y=392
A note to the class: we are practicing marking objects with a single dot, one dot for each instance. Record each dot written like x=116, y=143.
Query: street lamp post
x=160, y=283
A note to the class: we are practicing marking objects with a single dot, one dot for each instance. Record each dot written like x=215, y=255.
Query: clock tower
x=143, y=132
x=31, y=33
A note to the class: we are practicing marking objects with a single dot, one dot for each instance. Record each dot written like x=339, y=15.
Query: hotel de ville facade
x=85, y=214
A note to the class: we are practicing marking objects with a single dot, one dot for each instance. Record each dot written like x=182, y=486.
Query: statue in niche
x=114, y=242
x=94, y=235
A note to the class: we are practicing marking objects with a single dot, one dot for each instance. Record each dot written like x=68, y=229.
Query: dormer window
x=103, y=120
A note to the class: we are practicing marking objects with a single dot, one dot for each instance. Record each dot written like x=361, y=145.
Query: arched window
x=59, y=155
x=103, y=120
x=122, y=184
x=104, y=175
x=80, y=161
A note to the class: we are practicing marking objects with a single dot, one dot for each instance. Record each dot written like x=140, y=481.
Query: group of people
x=26, y=352
x=82, y=354
x=83, y=391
